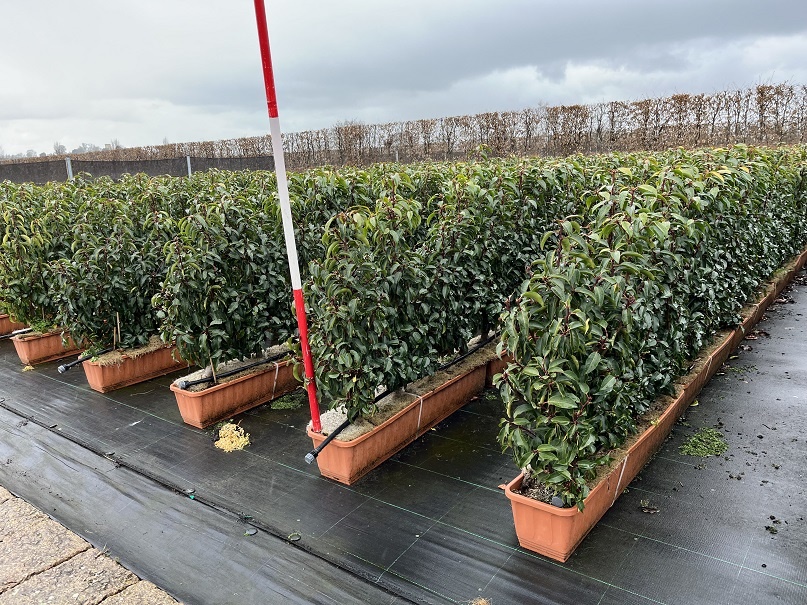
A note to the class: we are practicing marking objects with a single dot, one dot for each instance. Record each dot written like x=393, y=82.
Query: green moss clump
x=706, y=442
x=291, y=401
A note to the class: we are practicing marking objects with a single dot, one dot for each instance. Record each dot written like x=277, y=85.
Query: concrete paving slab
x=88, y=578
x=142, y=593
x=17, y=513
x=31, y=547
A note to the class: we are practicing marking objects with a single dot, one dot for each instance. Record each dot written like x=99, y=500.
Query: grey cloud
x=384, y=59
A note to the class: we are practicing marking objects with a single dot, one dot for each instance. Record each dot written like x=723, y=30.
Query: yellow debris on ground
x=232, y=437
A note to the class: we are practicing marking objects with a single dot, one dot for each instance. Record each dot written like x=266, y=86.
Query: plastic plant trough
x=556, y=532
x=349, y=461
x=497, y=366
x=203, y=408
x=39, y=348
x=7, y=326
x=131, y=370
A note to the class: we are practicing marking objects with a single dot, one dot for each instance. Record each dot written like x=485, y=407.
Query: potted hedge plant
x=36, y=234
x=107, y=284
x=226, y=298
x=405, y=285
x=618, y=306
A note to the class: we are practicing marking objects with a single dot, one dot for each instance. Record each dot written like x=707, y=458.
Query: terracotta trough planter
x=131, y=370
x=203, y=408
x=349, y=461
x=7, y=326
x=556, y=532
x=34, y=349
x=497, y=366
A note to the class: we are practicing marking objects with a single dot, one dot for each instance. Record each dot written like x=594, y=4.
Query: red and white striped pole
x=285, y=209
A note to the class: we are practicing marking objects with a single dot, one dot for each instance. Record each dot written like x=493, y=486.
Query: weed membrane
x=430, y=525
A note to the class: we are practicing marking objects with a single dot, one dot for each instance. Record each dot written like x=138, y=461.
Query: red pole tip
x=266, y=58
x=308, y=362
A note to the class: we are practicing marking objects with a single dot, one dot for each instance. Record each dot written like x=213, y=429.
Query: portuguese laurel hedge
x=226, y=293
x=36, y=228
x=626, y=293
x=410, y=279
x=606, y=274
x=105, y=286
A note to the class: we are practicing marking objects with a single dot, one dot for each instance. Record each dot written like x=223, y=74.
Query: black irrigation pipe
x=16, y=332
x=312, y=455
x=467, y=354
x=184, y=384
x=66, y=366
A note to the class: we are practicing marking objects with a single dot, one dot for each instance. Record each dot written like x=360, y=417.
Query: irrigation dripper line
x=213, y=505
x=81, y=359
x=313, y=454
x=184, y=384
x=468, y=353
x=16, y=333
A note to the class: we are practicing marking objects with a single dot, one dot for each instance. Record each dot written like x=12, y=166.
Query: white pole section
x=285, y=211
x=69, y=169
x=188, y=158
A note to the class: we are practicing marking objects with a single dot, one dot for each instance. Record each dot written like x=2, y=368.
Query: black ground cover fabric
x=431, y=525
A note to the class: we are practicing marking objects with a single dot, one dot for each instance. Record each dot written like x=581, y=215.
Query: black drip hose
x=312, y=455
x=184, y=384
x=16, y=332
x=469, y=352
x=66, y=366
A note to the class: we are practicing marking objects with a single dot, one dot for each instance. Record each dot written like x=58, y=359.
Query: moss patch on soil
x=229, y=366
x=706, y=442
x=116, y=357
x=289, y=401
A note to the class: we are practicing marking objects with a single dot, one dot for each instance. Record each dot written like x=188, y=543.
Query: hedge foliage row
x=605, y=274
x=665, y=252
x=201, y=260
x=87, y=255
x=410, y=279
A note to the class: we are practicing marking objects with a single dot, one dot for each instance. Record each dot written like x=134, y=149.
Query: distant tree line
x=767, y=114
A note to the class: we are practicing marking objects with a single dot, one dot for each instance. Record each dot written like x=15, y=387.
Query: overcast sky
x=144, y=71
